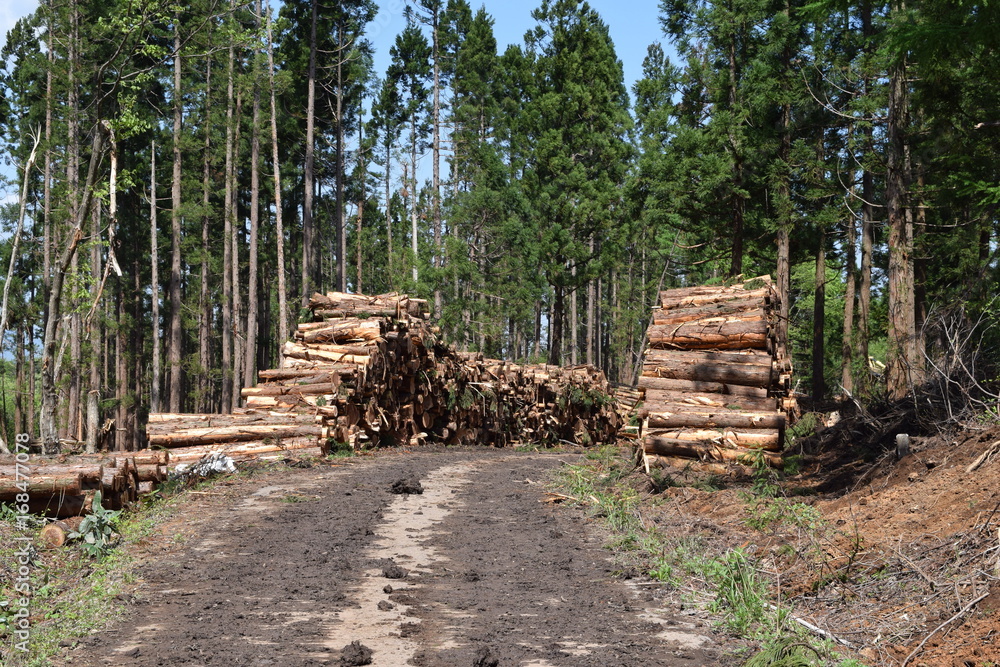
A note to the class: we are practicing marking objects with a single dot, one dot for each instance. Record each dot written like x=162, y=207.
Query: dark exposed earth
x=430, y=558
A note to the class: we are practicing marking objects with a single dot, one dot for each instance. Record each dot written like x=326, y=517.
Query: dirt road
x=291, y=567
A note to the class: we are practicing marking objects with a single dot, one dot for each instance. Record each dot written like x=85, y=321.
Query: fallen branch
x=813, y=628
x=984, y=457
x=961, y=612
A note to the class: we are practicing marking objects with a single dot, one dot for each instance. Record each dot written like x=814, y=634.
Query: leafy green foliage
x=98, y=531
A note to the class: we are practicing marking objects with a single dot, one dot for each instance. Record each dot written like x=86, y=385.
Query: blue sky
x=633, y=25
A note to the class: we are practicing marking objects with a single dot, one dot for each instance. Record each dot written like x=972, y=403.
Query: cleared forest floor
x=292, y=567
x=874, y=558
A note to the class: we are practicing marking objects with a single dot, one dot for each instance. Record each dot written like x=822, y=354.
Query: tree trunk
x=819, y=321
x=48, y=425
x=388, y=207
x=339, y=218
x=204, y=307
x=228, y=340
x=308, y=231
x=279, y=224
x=573, y=325
x=250, y=361
x=362, y=196
x=238, y=335
x=556, y=326
x=413, y=192
x=154, y=391
x=847, y=344
x=72, y=405
x=591, y=313
x=176, y=332
x=867, y=208
x=901, y=325
x=436, y=166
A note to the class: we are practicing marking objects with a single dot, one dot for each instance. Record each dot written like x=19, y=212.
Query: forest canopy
x=188, y=175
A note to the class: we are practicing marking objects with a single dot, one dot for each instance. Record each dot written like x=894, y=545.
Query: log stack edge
x=716, y=376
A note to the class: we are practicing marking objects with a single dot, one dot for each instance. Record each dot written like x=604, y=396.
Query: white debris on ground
x=208, y=465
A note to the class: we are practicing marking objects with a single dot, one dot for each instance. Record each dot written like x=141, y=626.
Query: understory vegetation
x=713, y=571
x=80, y=588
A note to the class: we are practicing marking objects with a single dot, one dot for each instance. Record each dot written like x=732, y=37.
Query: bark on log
x=748, y=375
x=752, y=308
x=280, y=374
x=242, y=449
x=664, y=446
x=732, y=335
x=669, y=384
x=41, y=485
x=285, y=389
x=670, y=300
x=56, y=534
x=750, y=439
x=246, y=433
x=720, y=420
x=314, y=353
x=656, y=399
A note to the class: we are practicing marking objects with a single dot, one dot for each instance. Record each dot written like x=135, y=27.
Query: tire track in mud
x=493, y=574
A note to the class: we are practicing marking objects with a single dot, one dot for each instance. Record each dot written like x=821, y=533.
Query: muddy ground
x=455, y=558
x=348, y=564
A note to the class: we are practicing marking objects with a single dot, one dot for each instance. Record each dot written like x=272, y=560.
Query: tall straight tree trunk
x=339, y=217
x=204, y=307
x=738, y=204
x=847, y=344
x=413, y=192
x=537, y=351
x=250, y=360
x=308, y=231
x=176, y=332
x=574, y=320
x=72, y=405
x=591, y=313
x=784, y=272
x=902, y=329
x=388, y=205
x=48, y=423
x=279, y=224
x=228, y=339
x=93, y=337
x=47, y=239
x=93, y=334
x=154, y=249
x=867, y=208
x=556, y=326
x=238, y=335
x=819, y=321
x=121, y=374
x=436, y=167
x=362, y=196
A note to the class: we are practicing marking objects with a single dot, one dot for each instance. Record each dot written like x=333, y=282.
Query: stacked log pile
x=66, y=488
x=370, y=371
x=244, y=433
x=538, y=403
x=715, y=376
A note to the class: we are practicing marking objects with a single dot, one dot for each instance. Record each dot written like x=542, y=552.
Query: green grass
x=75, y=594
x=739, y=593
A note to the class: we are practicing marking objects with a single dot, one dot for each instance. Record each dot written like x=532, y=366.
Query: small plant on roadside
x=663, y=571
x=338, y=449
x=741, y=597
x=97, y=531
